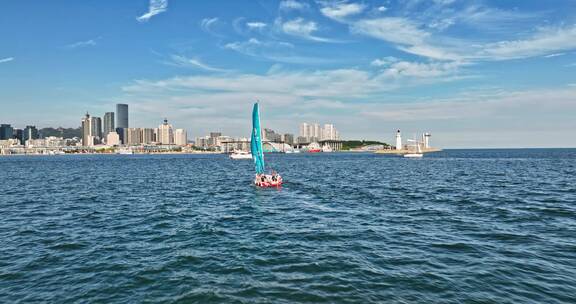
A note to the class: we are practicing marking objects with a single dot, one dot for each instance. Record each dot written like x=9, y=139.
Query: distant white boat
x=327, y=148
x=241, y=155
x=124, y=151
x=418, y=153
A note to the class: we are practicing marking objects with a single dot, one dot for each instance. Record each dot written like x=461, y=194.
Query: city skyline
x=474, y=73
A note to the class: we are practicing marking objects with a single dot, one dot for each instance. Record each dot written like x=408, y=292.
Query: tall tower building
x=304, y=130
x=96, y=125
x=180, y=137
x=398, y=140
x=30, y=132
x=122, y=115
x=316, y=131
x=108, y=124
x=165, y=133
x=87, y=138
x=6, y=132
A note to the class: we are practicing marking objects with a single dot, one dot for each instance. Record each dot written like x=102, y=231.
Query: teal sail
x=256, y=141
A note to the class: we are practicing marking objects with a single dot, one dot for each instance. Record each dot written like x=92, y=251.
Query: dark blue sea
x=459, y=226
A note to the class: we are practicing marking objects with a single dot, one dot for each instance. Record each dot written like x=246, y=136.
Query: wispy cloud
x=546, y=41
x=256, y=25
x=554, y=55
x=82, y=44
x=393, y=29
x=182, y=61
x=207, y=25
x=156, y=7
x=293, y=5
x=7, y=59
x=275, y=51
x=304, y=29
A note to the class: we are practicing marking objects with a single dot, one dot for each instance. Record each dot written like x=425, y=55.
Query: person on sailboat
x=261, y=179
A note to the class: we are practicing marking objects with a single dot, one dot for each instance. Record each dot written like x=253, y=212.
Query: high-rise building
x=180, y=137
x=19, y=135
x=316, y=131
x=215, y=134
x=96, y=127
x=148, y=135
x=134, y=136
x=166, y=133
x=87, y=137
x=30, y=132
x=108, y=124
x=122, y=115
x=270, y=135
x=6, y=132
x=304, y=130
x=329, y=132
x=288, y=138
x=122, y=135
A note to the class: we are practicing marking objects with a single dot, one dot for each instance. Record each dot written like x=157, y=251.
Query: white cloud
x=293, y=5
x=156, y=7
x=304, y=29
x=545, y=41
x=341, y=10
x=395, y=30
x=386, y=61
x=382, y=9
x=256, y=25
x=81, y=44
x=419, y=69
x=182, y=61
x=8, y=59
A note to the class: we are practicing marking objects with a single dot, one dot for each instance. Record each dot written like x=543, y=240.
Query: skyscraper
x=165, y=133
x=30, y=132
x=87, y=138
x=316, y=131
x=96, y=127
x=304, y=130
x=108, y=123
x=122, y=115
x=6, y=132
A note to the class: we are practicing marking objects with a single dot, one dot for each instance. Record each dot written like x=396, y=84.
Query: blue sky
x=473, y=73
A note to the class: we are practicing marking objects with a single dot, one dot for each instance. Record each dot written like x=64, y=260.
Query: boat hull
x=241, y=156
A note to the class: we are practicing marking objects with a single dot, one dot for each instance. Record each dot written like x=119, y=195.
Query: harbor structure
x=426, y=140
x=398, y=140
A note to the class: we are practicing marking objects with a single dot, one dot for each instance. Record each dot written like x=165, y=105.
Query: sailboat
x=418, y=153
x=262, y=179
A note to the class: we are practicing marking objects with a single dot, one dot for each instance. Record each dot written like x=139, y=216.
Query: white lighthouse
x=426, y=140
x=398, y=140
